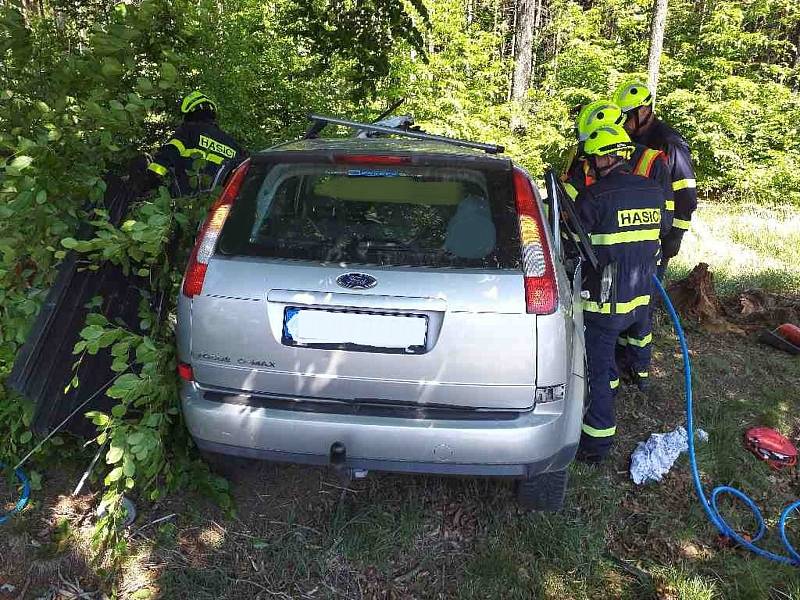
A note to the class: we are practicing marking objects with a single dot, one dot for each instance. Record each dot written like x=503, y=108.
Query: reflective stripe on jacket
x=644, y=161
x=622, y=213
x=652, y=163
x=195, y=140
x=684, y=185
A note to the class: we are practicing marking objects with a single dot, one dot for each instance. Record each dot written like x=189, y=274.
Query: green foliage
x=147, y=446
x=76, y=103
x=139, y=425
x=363, y=33
x=140, y=239
x=85, y=87
x=66, y=121
x=16, y=419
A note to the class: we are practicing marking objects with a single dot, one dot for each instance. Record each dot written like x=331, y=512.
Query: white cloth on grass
x=653, y=459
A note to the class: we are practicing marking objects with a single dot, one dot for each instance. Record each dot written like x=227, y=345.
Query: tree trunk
x=513, y=21
x=537, y=24
x=796, y=56
x=523, y=48
x=657, y=26
x=694, y=297
x=513, y=30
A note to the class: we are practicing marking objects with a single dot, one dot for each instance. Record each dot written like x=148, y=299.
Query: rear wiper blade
x=388, y=245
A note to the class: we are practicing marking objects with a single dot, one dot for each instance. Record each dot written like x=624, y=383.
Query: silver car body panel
x=539, y=436
x=473, y=319
x=483, y=353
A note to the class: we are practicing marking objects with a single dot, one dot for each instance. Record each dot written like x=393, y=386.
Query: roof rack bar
x=489, y=148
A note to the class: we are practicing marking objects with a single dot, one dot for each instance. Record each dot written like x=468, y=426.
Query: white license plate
x=336, y=328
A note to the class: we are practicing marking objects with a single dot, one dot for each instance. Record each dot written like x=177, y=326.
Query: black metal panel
x=365, y=407
x=44, y=364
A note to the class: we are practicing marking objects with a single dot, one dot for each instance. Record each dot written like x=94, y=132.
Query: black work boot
x=643, y=383
x=588, y=458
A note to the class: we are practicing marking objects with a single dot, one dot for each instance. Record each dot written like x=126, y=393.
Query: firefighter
x=577, y=174
x=198, y=137
x=636, y=101
x=623, y=214
x=644, y=161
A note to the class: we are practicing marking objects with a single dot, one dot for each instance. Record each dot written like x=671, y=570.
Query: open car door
x=575, y=247
x=574, y=241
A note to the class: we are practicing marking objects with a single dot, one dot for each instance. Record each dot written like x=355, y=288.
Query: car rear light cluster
x=209, y=233
x=537, y=265
x=185, y=372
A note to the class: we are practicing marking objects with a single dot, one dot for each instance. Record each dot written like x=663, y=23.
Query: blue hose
x=24, y=497
x=710, y=507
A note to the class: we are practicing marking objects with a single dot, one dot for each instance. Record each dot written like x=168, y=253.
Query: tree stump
x=694, y=298
x=765, y=309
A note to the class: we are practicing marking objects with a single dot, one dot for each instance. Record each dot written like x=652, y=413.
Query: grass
x=534, y=554
x=746, y=246
x=373, y=535
x=299, y=534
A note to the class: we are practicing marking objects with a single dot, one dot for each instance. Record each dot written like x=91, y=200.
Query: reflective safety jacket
x=193, y=140
x=684, y=186
x=644, y=161
x=653, y=164
x=623, y=214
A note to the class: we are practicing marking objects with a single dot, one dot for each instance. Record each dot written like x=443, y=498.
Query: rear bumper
x=520, y=471
x=538, y=441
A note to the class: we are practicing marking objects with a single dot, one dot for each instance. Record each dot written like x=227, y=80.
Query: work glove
x=671, y=243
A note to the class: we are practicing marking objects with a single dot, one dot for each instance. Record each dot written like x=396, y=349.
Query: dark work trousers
x=630, y=353
x=602, y=332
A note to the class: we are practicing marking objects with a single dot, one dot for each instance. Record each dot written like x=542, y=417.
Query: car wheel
x=544, y=492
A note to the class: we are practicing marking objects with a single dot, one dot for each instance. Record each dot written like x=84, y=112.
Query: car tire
x=544, y=492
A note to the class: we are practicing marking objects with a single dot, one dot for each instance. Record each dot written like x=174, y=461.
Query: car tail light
x=371, y=159
x=209, y=233
x=185, y=372
x=537, y=266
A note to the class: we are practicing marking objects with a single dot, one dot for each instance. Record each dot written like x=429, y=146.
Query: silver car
x=388, y=305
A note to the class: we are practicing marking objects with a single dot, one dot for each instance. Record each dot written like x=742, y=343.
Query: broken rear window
x=405, y=215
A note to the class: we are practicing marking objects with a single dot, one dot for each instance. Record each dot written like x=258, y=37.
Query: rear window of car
x=398, y=215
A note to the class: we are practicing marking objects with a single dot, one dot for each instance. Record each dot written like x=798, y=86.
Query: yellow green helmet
x=197, y=101
x=632, y=94
x=607, y=140
x=596, y=114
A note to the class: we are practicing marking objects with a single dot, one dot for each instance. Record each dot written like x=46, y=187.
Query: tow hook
x=338, y=459
x=338, y=455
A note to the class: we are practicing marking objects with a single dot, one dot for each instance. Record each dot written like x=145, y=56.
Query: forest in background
x=87, y=86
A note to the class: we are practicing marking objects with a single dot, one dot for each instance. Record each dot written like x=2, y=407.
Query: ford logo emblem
x=356, y=281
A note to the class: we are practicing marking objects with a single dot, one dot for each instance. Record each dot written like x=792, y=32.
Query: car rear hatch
x=393, y=279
